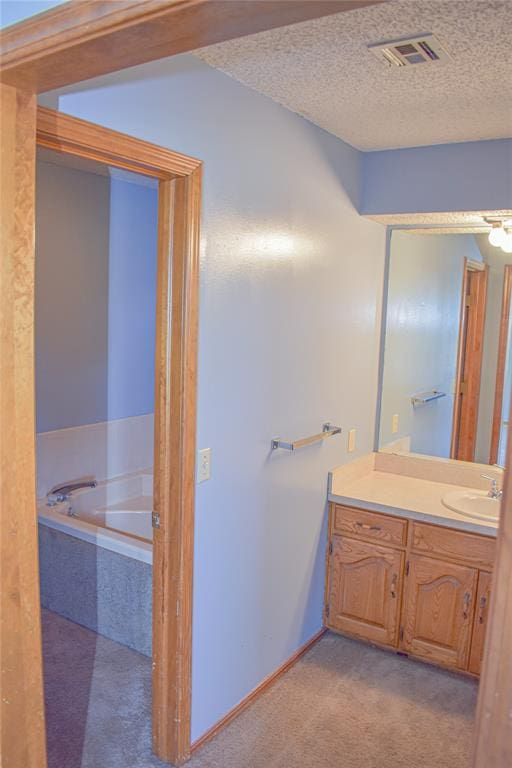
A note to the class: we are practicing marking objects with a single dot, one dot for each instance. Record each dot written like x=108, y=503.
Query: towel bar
x=427, y=397
x=327, y=431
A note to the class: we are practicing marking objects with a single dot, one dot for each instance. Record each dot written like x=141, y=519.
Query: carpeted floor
x=343, y=705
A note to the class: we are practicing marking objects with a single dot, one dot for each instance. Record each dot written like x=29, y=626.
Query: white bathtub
x=116, y=515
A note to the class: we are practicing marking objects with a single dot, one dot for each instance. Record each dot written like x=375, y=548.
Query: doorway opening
x=96, y=243
x=144, y=347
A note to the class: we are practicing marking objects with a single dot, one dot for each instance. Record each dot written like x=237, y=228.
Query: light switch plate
x=351, y=440
x=394, y=423
x=204, y=465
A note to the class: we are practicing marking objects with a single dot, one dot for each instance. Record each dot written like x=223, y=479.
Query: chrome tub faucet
x=62, y=492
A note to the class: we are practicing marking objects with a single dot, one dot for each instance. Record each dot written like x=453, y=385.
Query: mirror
x=447, y=358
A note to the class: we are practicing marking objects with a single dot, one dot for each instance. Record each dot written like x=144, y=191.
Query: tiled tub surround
x=103, y=450
x=96, y=568
x=412, y=486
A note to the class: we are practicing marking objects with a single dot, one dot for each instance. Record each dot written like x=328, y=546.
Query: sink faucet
x=495, y=492
x=62, y=492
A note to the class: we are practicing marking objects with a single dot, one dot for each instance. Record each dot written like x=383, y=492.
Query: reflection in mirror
x=501, y=413
x=447, y=370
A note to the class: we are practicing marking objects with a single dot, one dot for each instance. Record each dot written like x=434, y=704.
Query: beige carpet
x=344, y=705
x=350, y=705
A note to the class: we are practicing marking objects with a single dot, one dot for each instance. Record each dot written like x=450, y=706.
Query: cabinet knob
x=393, y=585
x=483, y=603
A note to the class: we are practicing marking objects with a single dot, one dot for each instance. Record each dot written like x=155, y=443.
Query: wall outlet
x=204, y=465
x=351, y=440
x=394, y=423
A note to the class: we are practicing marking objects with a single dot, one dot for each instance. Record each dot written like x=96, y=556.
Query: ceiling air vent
x=409, y=51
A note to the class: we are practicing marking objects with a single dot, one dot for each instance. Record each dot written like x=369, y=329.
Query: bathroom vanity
x=404, y=571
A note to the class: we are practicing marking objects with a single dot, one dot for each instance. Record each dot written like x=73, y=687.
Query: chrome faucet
x=62, y=492
x=495, y=492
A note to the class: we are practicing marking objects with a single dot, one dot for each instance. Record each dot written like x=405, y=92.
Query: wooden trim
x=473, y=364
x=22, y=707
x=502, y=359
x=493, y=725
x=175, y=435
x=469, y=362
x=87, y=38
x=460, y=363
x=256, y=692
x=72, y=136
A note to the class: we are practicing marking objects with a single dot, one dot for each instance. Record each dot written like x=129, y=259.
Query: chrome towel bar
x=427, y=397
x=327, y=431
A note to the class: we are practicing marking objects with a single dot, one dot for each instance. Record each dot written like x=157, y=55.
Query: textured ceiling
x=322, y=70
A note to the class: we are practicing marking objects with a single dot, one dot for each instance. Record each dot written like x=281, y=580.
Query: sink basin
x=473, y=504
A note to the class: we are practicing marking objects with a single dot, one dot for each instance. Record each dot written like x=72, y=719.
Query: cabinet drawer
x=453, y=545
x=369, y=525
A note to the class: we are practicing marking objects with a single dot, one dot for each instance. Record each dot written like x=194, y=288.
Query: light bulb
x=506, y=243
x=497, y=235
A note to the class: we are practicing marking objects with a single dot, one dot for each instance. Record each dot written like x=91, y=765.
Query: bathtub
x=96, y=563
x=116, y=515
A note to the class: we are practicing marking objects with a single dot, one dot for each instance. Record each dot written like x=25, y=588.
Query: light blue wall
x=72, y=242
x=291, y=278
x=131, y=299
x=12, y=11
x=95, y=297
x=472, y=176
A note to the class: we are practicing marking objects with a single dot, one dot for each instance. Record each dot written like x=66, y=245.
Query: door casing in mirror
x=501, y=406
x=469, y=361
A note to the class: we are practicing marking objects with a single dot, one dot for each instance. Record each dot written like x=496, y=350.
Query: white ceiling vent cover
x=409, y=51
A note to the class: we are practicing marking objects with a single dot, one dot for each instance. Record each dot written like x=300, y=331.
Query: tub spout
x=62, y=492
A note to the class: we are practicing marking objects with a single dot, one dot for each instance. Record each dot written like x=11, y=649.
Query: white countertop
x=402, y=495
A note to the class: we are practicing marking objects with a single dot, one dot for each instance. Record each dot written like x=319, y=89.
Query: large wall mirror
x=447, y=365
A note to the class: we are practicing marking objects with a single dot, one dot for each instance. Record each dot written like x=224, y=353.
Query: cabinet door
x=480, y=623
x=364, y=589
x=438, y=610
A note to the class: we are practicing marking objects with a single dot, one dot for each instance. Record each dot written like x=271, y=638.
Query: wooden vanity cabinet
x=416, y=587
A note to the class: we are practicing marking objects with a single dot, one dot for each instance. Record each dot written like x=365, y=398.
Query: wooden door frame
x=481, y=270
x=502, y=360
x=179, y=209
x=179, y=212
x=87, y=38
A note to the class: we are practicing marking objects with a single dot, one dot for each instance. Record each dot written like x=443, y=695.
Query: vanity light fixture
x=501, y=234
x=506, y=243
x=497, y=234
